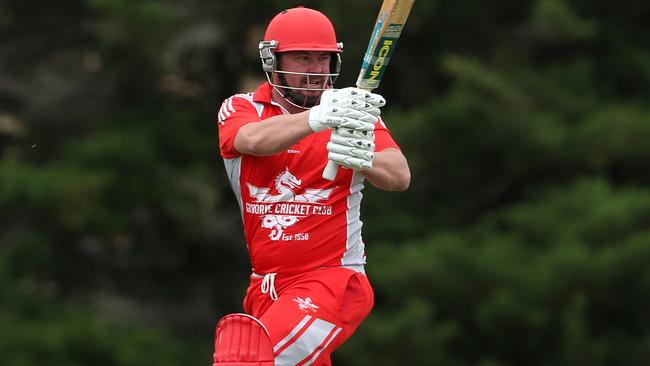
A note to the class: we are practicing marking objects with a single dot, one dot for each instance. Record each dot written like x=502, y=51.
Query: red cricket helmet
x=299, y=29
x=302, y=29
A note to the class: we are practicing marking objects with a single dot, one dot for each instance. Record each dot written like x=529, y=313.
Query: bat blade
x=388, y=27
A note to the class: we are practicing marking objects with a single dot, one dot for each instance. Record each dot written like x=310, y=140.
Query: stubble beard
x=299, y=98
x=303, y=100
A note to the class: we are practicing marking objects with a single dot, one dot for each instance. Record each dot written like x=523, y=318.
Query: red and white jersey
x=294, y=220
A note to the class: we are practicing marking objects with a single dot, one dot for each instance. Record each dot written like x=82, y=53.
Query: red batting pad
x=242, y=340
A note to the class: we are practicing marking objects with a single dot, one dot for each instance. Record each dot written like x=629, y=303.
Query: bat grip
x=330, y=170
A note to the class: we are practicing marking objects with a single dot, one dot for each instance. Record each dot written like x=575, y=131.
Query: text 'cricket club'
x=285, y=204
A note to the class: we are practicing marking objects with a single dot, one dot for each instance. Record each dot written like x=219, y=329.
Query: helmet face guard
x=299, y=29
x=270, y=67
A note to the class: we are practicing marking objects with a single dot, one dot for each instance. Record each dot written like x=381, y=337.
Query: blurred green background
x=523, y=240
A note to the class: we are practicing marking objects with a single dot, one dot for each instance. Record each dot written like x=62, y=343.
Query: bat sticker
x=380, y=59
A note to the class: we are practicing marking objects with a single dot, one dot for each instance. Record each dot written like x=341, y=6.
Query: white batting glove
x=350, y=148
x=363, y=100
x=338, y=107
x=325, y=116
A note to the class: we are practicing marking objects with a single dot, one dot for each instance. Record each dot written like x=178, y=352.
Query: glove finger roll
x=352, y=142
x=359, y=94
x=349, y=161
x=356, y=124
x=345, y=150
x=375, y=100
x=355, y=133
x=357, y=114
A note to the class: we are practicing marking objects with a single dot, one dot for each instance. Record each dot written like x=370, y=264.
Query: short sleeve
x=383, y=138
x=235, y=112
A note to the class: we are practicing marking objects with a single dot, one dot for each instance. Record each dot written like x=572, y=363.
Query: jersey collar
x=263, y=95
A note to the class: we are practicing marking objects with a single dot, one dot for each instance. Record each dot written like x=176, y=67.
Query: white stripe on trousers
x=309, y=345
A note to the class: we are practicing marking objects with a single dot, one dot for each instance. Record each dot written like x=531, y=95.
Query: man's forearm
x=272, y=135
x=390, y=171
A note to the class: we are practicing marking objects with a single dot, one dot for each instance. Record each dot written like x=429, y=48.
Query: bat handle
x=330, y=170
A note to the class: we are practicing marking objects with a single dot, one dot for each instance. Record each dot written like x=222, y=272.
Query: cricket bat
x=388, y=27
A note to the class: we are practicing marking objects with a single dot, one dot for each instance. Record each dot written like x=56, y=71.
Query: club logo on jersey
x=285, y=204
x=305, y=304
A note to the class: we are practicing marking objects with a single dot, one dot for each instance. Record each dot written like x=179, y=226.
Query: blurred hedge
x=523, y=239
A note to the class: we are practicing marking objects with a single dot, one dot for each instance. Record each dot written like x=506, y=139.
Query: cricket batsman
x=308, y=289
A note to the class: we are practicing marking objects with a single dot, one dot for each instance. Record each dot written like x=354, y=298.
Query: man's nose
x=315, y=66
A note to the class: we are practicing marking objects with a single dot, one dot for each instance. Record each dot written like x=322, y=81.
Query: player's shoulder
x=239, y=98
x=237, y=103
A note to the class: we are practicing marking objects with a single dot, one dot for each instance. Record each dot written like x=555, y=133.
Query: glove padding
x=350, y=148
x=326, y=116
x=369, y=102
x=340, y=107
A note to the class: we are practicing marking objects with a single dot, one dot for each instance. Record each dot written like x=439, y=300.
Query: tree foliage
x=523, y=239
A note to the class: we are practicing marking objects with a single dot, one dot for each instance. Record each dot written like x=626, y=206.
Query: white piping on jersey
x=227, y=108
x=233, y=166
x=354, y=246
x=233, y=169
x=268, y=285
x=259, y=107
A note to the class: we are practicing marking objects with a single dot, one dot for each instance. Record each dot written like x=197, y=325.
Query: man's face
x=312, y=62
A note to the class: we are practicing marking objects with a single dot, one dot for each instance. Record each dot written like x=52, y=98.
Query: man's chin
x=307, y=100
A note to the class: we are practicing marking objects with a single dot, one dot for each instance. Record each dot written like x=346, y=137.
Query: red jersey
x=294, y=220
